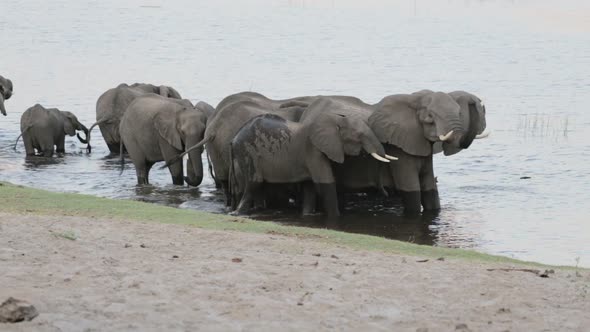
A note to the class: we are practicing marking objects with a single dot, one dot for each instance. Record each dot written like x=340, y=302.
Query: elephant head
x=71, y=125
x=168, y=92
x=414, y=122
x=206, y=108
x=183, y=129
x=5, y=93
x=338, y=134
x=473, y=118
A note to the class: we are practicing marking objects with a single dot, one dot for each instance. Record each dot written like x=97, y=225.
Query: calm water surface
x=529, y=61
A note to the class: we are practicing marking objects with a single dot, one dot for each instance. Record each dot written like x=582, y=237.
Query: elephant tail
x=179, y=157
x=21, y=134
x=210, y=167
x=232, y=183
x=99, y=122
x=121, y=157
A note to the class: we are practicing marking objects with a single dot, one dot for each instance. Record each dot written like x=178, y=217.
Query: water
x=529, y=61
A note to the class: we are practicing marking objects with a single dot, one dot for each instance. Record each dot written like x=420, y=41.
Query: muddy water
x=523, y=192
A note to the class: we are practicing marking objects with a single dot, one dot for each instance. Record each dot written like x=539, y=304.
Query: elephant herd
x=264, y=153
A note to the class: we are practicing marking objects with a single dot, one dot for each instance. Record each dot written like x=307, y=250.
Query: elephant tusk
x=378, y=157
x=485, y=134
x=390, y=157
x=446, y=137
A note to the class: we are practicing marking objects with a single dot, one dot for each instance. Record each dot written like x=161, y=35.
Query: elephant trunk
x=194, y=169
x=471, y=132
x=372, y=145
x=85, y=130
x=2, y=109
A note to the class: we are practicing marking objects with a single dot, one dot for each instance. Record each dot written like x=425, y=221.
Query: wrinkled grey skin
x=231, y=114
x=112, y=104
x=44, y=130
x=6, y=91
x=410, y=125
x=270, y=149
x=192, y=178
x=156, y=128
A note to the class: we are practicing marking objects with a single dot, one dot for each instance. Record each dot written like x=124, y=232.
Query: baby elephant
x=46, y=128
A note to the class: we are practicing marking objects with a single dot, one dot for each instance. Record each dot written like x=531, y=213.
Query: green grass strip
x=21, y=200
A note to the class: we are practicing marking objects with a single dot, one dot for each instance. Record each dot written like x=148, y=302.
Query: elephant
x=230, y=115
x=271, y=104
x=44, y=129
x=5, y=93
x=112, y=104
x=156, y=128
x=413, y=127
x=271, y=149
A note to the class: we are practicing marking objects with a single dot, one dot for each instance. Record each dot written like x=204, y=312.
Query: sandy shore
x=90, y=274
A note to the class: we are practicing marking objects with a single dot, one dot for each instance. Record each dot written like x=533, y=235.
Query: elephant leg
x=114, y=148
x=61, y=145
x=405, y=172
x=325, y=184
x=225, y=188
x=309, y=198
x=191, y=177
x=429, y=191
x=142, y=170
x=48, y=150
x=29, y=147
x=176, y=169
x=44, y=142
x=327, y=192
x=250, y=193
x=177, y=173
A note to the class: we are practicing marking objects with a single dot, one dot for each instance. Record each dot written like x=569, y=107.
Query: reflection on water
x=367, y=215
x=521, y=193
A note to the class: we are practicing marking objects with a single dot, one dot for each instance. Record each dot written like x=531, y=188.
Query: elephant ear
x=395, y=121
x=166, y=125
x=207, y=109
x=325, y=135
x=10, y=89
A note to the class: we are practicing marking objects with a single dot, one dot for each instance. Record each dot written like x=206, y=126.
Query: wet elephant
x=234, y=112
x=409, y=126
x=156, y=128
x=270, y=149
x=112, y=104
x=44, y=129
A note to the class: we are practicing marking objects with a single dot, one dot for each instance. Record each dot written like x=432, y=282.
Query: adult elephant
x=413, y=127
x=156, y=128
x=5, y=93
x=229, y=117
x=111, y=106
x=44, y=129
x=263, y=101
x=270, y=149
